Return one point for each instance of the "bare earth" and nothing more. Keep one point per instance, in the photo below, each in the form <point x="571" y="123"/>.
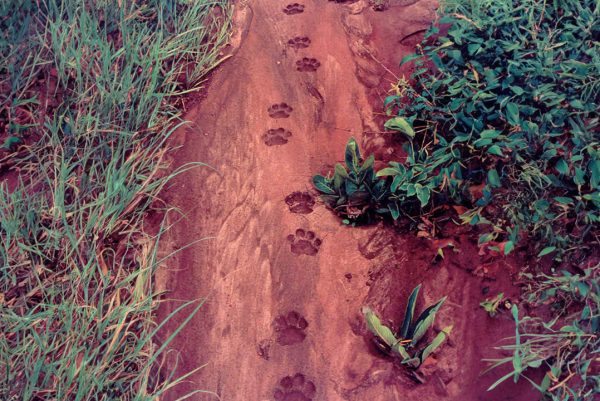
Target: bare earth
<point x="284" y="280"/>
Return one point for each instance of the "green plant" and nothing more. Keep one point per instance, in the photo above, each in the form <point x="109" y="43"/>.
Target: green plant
<point x="507" y="99"/>
<point x="353" y="191"/>
<point x="491" y="305"/>
<point x="405" y="343"/>
<point x="566" y="347"/>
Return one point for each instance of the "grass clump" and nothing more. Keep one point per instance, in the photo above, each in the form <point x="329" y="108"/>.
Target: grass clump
<point x="565" y="347"/>
<point x="90" y="92"/>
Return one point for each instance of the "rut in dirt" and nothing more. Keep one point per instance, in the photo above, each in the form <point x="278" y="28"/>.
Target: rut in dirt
<point x="284" y="280"/>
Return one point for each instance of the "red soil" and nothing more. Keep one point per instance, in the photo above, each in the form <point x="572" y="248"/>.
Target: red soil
<point x="284" y="280"/>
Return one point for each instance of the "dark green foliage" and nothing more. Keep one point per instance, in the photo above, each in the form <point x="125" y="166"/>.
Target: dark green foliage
<point x="506" y="99"/>
<point x="509" y="98"/>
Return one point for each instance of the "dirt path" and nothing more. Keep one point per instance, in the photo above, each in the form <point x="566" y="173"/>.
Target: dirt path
<point x="285" y="281"/>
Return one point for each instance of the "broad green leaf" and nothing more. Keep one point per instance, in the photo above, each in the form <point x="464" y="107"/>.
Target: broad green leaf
<point x="396" y="182"/>
<point x="494" y="178"/>
<point x="401" y="125"/>
<point x="517" y="90"/>
<point x="321" y="184"/>
<point x="368" y="163"/>
<point x="387" y="171"/>
<point x="489" y="134"/>
<point x="425" y="321"/>
<point x="435" y="344"/>
<point x="508" y="247"/>
<point x="564" y="200"/>
<point x="408" y="58"/>
<point x="562" y="167"/>
<point x="410" y="310"/>
<point x="423" y="194"/>
<point x="352" y="155"/>
<point x="340" y="170"/>
<point x="400" y="350"/>
<point x="579" y="178"/>
<point x="394" y="209"/>
<point x="495" y="150"/>
<point x="546" y="251"/>
<point x="512" y="113"/>
<point x="339" y="176"/>
<point x="389" y="100"/>
<point x="378" y="329"/>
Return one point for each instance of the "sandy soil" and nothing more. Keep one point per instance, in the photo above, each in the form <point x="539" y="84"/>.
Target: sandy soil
<point x="284" y="280"/>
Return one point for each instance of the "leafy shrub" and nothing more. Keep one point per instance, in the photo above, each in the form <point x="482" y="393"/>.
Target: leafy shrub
<point x="508" y="98"/>
<point x="404" y="344"/>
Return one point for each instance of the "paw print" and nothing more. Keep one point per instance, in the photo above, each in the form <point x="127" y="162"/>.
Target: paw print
<point x="277" y="136"/>
<point x="300" y="202"/>
<point x="294" y="8"/>
<point x="290" y="328"/>
<point x="295" y="388"/>
<point x="307" y="64"/>
<point x="279" y="110"/>
<point x="299" y="42"/>
<point x="304" y="243"/>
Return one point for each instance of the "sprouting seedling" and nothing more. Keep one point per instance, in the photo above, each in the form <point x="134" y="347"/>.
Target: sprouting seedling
<point x="405" y="343"/>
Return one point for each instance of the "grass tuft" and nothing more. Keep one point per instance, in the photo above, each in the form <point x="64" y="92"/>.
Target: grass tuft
<point x="89" y="94"/>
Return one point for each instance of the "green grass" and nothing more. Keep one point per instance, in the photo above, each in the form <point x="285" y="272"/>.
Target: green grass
<point x="89" y="96"/>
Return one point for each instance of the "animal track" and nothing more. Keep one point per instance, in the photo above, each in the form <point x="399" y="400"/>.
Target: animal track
<point x="304" y="242"/>
<point x="290" y="328"/>
<point x="277" y="136"/>
<point x="294" y="8"/>
<point x="299" y="42"/>
<point x="280" y="110"/>
<point x="300" y="202"/>
<point x="306" y="64"/>
<point x="295" y="388"/>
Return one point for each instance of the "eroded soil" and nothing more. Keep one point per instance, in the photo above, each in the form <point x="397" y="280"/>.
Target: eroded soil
<point x="284" y="280"/>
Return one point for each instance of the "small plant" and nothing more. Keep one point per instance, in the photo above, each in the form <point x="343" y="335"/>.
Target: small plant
<point x="405" y="343"/>
<point x="491" y="305"/>
<point x="353" y="191"/>
<point x="566" y="347"/>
